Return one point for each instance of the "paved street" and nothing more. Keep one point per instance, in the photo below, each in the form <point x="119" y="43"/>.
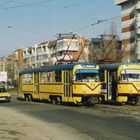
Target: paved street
<point x="33" y="120"/>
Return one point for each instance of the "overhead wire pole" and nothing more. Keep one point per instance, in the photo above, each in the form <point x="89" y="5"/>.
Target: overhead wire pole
<point x="108" y="48"/>
<point x="96" y="23"/>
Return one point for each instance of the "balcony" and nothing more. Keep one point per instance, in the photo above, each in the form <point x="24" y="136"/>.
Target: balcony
<point x="138" y="17"/>
<point x="138" y="5"/>
<point x="43" y="60"/>
<point x="67" y="44"/>
<point x="65" y="58"/>
<point x="138" y="50"/>
<point x="138" y="30"/>
<point x="138" y="43"/>
<point x="119" y="2"/>
<point x="69" y="48"/>
<point x="138" y="24"/>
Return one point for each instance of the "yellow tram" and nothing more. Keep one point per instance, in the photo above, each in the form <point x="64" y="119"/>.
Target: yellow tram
<point x="121" y="82"/>
<point x="73" y="82"/>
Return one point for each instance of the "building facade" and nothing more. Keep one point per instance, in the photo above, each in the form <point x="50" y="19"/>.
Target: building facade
<point x="12" y="64"/>
<point x="130" y="19"/>
<point x="72" y="48"/>
<point x="66" y="48"/>
<point x="30" y="56"/>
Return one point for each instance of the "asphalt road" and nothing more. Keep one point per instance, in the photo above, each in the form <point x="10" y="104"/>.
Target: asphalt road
<point x="102" y="122"/>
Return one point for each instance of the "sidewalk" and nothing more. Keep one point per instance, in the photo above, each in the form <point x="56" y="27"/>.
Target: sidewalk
<point x="17" y="126"/>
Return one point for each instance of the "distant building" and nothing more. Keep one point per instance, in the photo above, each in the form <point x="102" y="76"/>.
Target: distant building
<point x="43" y="54"/>
<point x="66" y="48"/>
<point x="130" y="18"/>
<point x="30" y="57"/>
<point x="12" y="64"/>
<point x="71" y="48"/>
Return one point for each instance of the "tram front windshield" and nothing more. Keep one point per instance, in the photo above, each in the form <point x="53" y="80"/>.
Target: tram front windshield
<point x="130" y="77"/>
<point x="86" y="76"/>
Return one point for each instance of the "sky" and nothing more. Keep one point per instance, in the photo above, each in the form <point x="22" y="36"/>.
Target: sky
<point x="24" y="23"/>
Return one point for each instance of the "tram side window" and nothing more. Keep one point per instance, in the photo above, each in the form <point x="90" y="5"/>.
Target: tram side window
<point x="27" y="78"/>
<point x="51" y="76"/>
<point x="58" y="75"/>
<point x="43" y="77"/>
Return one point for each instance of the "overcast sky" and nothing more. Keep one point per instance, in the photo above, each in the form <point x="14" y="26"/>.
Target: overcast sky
<point x="24" y="23"/>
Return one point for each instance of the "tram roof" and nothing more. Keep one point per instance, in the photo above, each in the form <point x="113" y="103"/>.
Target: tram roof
<point x="68" y="66"/>
<point x="112" y="67"/>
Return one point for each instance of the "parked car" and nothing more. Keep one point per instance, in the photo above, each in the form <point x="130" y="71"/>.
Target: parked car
<point x="4" y="95"/>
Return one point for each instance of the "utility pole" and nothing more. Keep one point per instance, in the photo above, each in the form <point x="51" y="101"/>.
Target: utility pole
<point x="109" y="48"/>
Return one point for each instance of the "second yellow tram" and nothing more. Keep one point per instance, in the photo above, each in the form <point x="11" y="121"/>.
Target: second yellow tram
<point x="121" y="82"/>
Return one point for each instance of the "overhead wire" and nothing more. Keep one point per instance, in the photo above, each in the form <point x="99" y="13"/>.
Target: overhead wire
<point x="45" y="1"/>
<point x="91" y="13"/>
<point x="6" y="3"/>
<point x="79" y="4"/>
<point x="96" y="23"/>
<point x="27" y="4"/>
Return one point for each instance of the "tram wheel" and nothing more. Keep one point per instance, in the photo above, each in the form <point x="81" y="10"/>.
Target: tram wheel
<point x="134" y="100"/>
<point x="28" y="98"/>
<point x="54" y="100"/>
<point x="59" y="100"/>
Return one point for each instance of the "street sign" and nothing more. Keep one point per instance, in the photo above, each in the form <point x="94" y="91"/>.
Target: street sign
<point x="3" y="76"/>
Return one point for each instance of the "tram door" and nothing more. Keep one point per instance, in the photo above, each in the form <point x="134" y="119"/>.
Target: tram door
<point x="108" y="85"/>
<point x="67" y="85"/>
<point x="36" y="85"/>
<point x="112" y="85"/>
<point x="20" y="83"/>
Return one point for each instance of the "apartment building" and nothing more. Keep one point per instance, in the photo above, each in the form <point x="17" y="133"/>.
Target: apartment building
<point x="12" y="64"/>
<point x="66" y="48"/>
<point x="71" y="48"/>
<point x="30" y="57"/>
<point x="130" y="20"/>
<point x="43" y="54"/>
